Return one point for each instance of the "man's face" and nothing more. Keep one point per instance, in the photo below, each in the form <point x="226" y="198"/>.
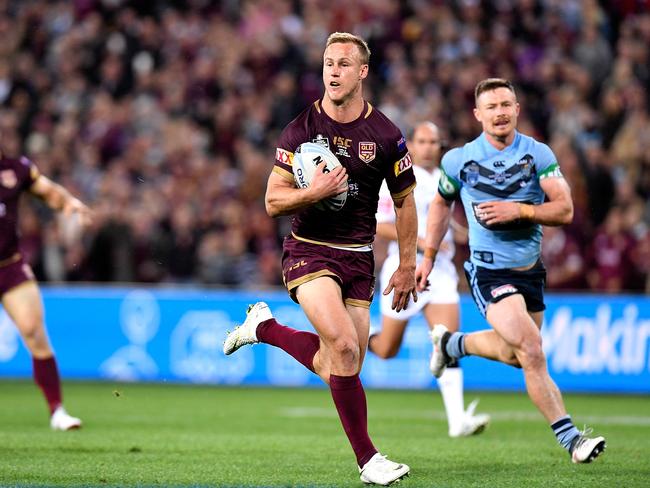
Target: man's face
<point x="425" y="146"/>
<point x="497" y="111"/>
<point x="342" y="71"/>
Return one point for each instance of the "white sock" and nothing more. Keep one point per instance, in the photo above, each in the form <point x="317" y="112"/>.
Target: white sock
<point x="451" y="387"/>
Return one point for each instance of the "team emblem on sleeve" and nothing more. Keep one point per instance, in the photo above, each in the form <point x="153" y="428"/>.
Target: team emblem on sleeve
<point x="8" y="178"/>
<point x="367" y="151"/>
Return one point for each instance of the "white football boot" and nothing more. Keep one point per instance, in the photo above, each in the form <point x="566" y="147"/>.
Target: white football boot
<point x="586" y="449"/>
<point x="438" y="362"/>
<point x="61" y="420"/>
<point x="382" y="471"/>
<point x="473" y="423"/>
<point x="246" y="333"/>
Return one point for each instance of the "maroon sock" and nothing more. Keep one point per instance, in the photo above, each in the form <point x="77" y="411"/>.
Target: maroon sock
<point x="46" y="376"/>
<point x="298" y="343"/>
<point x="350" y="400"/>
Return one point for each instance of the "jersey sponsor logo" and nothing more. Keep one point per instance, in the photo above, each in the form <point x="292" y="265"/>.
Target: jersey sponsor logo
<point x="367" y="151"/>
<point x="342" y="144"/>
<point x="8" y="178"/>
<point x="297" y="265"/>
<point x="403" y="164"/>
<point x="485" y="256"/>
<point x="502" y="290"/>
<point x="499" y="164"/>
<point x="283" y="156"/>
<point x="322" y="140"/>
<point x="552" y="171"/>
<point x="446" y="186"/>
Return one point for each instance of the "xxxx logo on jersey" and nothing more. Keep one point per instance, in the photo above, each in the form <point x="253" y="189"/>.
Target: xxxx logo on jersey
<point x="403" y="164"/>
<point x="283" y="156"/>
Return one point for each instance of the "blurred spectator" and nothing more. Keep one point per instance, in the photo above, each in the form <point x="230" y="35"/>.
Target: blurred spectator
<point x="165" y="114"/>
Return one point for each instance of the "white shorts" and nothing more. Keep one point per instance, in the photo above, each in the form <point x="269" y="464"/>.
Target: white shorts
<point x="443" y="289"/>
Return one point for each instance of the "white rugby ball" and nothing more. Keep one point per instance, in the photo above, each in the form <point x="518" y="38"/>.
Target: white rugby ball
<point x="305" y="159"/>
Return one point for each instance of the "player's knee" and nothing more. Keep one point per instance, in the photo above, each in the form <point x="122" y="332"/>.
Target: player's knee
<point x="32" y="331"/>
<point x="508" y="356"/>
<point x="384" y="350"/>
<point x="532" y="354"/>
<point x="345" y="349"/>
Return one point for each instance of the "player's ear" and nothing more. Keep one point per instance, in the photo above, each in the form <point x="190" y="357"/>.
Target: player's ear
<point x="363" y="72"/>
<point x="477" y="114"/>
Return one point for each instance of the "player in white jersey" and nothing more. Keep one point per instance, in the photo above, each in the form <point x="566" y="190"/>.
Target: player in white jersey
<point x="510" y="185"/>
<point x="440" y="301"/>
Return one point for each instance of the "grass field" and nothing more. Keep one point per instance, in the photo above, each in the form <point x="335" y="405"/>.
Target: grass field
<point x="174" y="435"/>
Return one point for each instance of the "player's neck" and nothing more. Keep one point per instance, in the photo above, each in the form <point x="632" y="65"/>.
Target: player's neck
<point x="426" y="166"/>
<point x="500" y="143"/>
<point x="348" y="111"/>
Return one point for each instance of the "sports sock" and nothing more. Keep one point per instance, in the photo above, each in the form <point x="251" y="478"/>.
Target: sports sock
<point x="350" y="401"/>
<point x="565" y="431"/>
<point x="300" y="344"/>
<point x="455" y="345"/>
<point x="46" y="376"/>
<point x="451" y="388"/>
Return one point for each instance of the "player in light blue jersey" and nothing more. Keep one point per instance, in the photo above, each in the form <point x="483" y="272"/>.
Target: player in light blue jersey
<point x="510" y="185"/>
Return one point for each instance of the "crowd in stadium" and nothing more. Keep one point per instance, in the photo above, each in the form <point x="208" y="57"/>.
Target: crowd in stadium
<point x="163" y="116"/>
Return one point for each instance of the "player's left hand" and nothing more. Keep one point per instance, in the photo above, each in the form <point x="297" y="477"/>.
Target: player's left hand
<point x="403" y="282"/>
<point x="497" y="212"/>
<point x="75" y="207"/>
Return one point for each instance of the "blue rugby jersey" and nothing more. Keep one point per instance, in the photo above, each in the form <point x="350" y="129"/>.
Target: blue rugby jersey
<point x="482" y="173"/>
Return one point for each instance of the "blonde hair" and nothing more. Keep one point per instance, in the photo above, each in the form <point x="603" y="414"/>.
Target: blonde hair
<point x="346" y="37"/>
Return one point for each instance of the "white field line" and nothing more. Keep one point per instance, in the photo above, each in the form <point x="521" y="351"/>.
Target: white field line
<point x="511" y="415"/>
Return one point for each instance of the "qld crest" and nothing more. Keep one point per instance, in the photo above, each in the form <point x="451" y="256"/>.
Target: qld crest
<point x="367" y="151"/>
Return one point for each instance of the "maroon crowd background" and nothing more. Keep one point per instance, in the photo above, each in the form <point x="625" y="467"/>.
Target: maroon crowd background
<point x="163" y="117"/>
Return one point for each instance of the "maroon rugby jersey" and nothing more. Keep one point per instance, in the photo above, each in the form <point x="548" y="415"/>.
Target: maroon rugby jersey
<point x="371" y="148"/>
<point x="16" y="175"/>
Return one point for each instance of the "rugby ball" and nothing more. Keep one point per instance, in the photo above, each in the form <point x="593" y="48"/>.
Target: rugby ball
<point x="305" y="159"/>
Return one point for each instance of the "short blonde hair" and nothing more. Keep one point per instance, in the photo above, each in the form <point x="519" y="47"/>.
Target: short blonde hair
<point x="346" y="37"/>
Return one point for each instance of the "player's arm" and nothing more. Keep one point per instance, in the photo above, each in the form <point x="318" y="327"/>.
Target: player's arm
<point x="406" y="230"/>
<point x="58" y="198"/>
<point x="557" y="210"/>
<point x="437" y="224"/>
<point x="388" y="231"/>
<point x="283" y="198"/>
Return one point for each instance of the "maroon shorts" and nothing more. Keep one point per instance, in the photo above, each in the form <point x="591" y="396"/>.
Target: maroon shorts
<point x="352" y="270"/>
<point x="13" y="274"/>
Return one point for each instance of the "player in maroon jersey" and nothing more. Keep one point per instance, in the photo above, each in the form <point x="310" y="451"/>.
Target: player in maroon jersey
<point x="328" y="264"/>
<point x="19" y="292"/>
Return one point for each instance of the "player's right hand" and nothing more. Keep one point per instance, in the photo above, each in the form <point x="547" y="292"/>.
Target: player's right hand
<point x="73" y="207"/>
<point x="422" y="273"/>
<point x="327" y="184"/>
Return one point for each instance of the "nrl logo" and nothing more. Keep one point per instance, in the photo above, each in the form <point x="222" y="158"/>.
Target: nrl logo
<point x="8" y="178"/>
<point x="367" y="151"/>
<point x="322" y="140"/>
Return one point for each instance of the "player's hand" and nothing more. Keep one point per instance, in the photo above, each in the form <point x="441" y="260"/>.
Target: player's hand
<point x="403" y="282"/>
<point x="497" y="212"/>
<point x="327" y="184"/>
<point x="422" y="273"/>
<point x="74" y="207"/>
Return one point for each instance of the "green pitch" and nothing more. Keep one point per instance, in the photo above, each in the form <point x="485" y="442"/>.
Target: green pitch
<point x="174" y="435"/>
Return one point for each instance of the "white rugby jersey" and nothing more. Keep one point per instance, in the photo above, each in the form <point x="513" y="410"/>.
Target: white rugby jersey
<point x="426" y="189"/>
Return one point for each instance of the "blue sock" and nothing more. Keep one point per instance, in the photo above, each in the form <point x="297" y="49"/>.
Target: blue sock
<point x="455" y="346"/>
<point x="565" y="431"/>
